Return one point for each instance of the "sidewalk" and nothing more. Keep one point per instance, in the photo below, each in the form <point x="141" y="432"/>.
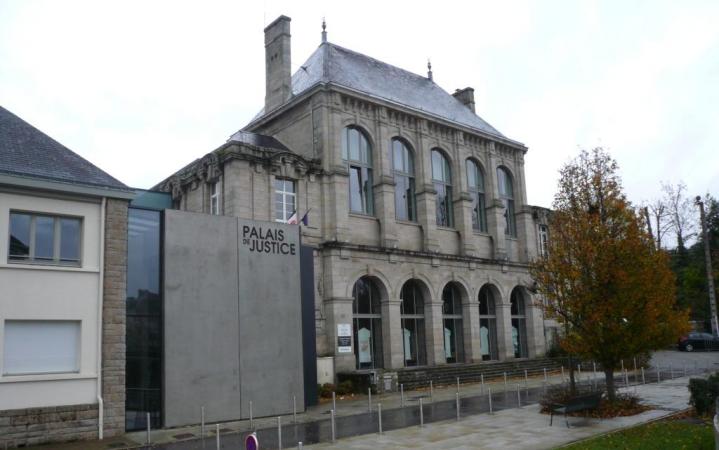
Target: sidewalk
<point x="521" y="428"/>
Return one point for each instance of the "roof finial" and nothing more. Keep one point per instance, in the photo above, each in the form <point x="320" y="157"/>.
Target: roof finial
<point x="429" y="69"/>
<point x="324" y="30"/>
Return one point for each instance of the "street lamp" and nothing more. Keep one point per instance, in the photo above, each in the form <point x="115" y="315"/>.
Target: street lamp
<point x="710" y="277"/>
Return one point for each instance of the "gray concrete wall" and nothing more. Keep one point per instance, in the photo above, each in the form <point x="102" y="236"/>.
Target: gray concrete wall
<point x="232" y="318"/>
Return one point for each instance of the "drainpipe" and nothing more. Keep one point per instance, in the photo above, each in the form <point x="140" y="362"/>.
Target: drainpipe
<point x="100" y="293"/>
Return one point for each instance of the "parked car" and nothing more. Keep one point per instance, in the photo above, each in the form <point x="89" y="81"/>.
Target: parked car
<point x="698" y="341"/>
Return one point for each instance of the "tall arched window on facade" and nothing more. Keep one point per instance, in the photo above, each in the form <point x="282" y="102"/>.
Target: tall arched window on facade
<point x="412" y="319"/>
<point x="442" y="180"/>
<point x="367" y="321"/>
<point x="506" y="194"/>
<point x="475" y="182"/>
<point x="452" y="320"/>
<point x="403" y="171"/>
<point x="357" y="153"/>
<point x="519" y="323"/>
<point x="487" y="324"/>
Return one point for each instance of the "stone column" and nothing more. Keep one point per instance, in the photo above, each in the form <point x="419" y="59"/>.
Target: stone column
<point x="536" y="345"/>
<point x="434" y="326"/>
<point x="470" y="329"/>
<point x="505" y="347"/>
<point x="427" y="217"/>
<point x="463" y="222"/>
<point x="339" y="311"/>
<point x="392" y="345"/>
<point x="113" y="317"/>
<point x="526" y="234"/>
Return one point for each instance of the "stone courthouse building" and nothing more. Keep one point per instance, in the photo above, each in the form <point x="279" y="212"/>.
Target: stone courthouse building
<point x="415" y="206"/>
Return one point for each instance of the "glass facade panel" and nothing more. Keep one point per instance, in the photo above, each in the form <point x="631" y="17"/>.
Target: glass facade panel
<point x="487" y="325"/>
<point x="144" y="319"/>
<point x="412" y="322"/>
<point x="506" y="193"/>
<point x="519" y="324"/>
<point x="441" y="178"/>
<point x="452" y="319"/>
<point x="367" y="321"/>
<point x="403" y="168"/>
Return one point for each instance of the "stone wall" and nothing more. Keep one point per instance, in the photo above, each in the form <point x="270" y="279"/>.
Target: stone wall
<point x="113" y="317"/>
<point x="33" y="426"/>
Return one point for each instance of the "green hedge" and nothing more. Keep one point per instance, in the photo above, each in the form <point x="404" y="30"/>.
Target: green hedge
<point x="704" y="394"/>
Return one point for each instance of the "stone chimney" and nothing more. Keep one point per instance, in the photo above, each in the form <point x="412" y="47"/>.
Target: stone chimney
<point x="466" y="96"/>
<point x="278" y="83"/>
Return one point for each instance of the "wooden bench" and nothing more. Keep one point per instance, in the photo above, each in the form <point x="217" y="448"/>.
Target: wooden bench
<point x="579" y="403"/>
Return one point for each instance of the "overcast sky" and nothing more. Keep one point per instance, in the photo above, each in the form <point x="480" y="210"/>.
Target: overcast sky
<point x="141" y="88"/>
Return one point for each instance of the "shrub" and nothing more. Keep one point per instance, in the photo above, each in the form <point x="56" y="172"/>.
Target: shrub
<point x="326" y="390"/>
<point x="704" y="394"/>
<point x="345" y="388"/>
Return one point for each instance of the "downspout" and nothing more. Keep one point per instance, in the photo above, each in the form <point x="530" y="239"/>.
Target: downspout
<point x="100" y="293"/>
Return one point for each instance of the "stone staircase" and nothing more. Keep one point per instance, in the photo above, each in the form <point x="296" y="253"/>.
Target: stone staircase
<point x="413" y="378"/>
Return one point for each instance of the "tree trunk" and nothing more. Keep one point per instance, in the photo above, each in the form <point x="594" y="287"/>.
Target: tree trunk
<point x="609" y="377"/>
<point x="572" y="381"/>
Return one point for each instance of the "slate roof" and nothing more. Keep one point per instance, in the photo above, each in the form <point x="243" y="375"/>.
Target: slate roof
<point x="259" y="140"/>
<point x="331" y="63"/>
<point x="28" y="152"/>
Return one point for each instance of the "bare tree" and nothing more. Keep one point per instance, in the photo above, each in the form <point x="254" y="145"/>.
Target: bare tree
<point x="680" y="213"/>
<point x="657" y="212"/>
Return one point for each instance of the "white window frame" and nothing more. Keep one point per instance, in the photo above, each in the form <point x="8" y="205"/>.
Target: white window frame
<point x="286" y="195"/>
<point x="215" y="189"/>
<point x="57" y="240"/>
<point x="543" y="239"/>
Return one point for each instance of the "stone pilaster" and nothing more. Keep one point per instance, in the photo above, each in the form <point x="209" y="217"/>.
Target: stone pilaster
<point x="435" y="333"/>
<point x="392" y="345"/>
<point x="385" y="212"/>
<point x="427" y="217"/>
<point x="339" y="311"/>
<point x="505" y="347"/>
<point x="526" y="234"/>
<point x="463" y="223"/>
<point x="113" y="317"/>
<point x="470" y="326"/>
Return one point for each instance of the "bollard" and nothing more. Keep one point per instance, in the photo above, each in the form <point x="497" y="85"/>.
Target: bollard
<point x="519" y="397"/>
<point x="379" y="416"/>
<point x="659" y="375"/>
<point x="299" y="445"/>
<point x="294" y="408"/>
<point x="148" y="428"/>
<point x="431" y="392"/>
<point x="401" y="395"/>
<point x="489" y="397"/>
<point x="481" y="389"/>
<point x="252" y="420"/>
<point x="505" y="381"/>
<point x="457" y="405"/>
<point x="562" y="374"/>
<point x="526" y="379"/>
<point x="644" y="381"/>
<point x="369" y="399"/>
<point x="217" y="435"/>
<point x="545" y="374"/>
<point x="334" y="404"/>
<point x="622" y="361"/>
<point x="279" y="432"/>
<point x="332" y="423"/>
<point x="594" y="369"/>
<point x="421" y="413"/>
<point x="458" y="385"/>
<point x="202" y="422"/>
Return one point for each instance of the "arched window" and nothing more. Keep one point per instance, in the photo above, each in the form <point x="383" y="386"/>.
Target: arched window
<point x="442" y="180"/>
<point x="412" y="319"/>
<point x="403" y="171"/>
<point x="357" y="153"/>
<point x="475" y="182"/>
<point x="367" y="321"/>
<point x="452" y="319"/>
<point x="506" y="194"/>
<point x="487" y="324"/>
<point x="519" y="323"/>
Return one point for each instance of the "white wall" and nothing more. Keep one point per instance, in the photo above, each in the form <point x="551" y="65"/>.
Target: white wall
<point x="39" y="292"/>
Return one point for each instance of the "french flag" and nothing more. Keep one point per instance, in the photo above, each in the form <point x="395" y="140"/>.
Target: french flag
<point x="293" y="218"/>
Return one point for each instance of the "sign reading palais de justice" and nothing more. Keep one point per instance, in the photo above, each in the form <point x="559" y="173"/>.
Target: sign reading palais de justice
<point x="267" y="240"/>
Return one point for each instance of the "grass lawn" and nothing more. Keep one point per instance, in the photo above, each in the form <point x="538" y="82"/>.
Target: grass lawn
<point x="664" y="435"/>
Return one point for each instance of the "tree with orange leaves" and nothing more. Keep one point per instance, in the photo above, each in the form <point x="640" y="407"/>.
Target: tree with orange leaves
<point x="602" y="276"/>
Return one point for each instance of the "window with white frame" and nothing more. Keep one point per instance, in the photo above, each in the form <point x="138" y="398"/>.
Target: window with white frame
<point x="285" y="199"/>
<point x="41" y="346"/>
<point x="215" y="198"/>
<point x="357" y="154"/>
<point x="543" y="237"/>
<point x="44" y="239"/>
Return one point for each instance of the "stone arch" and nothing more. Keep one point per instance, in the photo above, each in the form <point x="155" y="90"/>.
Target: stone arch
<point x="428" y="287"/>
<point x="383" y="283"/>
